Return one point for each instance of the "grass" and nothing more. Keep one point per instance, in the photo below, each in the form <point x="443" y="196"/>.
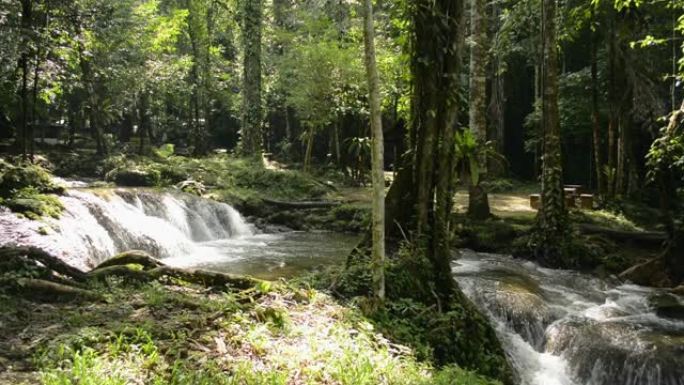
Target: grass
<point x="181" y="334"/>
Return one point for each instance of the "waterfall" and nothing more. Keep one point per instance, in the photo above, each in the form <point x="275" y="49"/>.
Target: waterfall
<point x="566" y="328"/>
<point x="97" y="224"/>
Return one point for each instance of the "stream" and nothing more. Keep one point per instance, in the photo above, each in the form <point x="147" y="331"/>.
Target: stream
<point x="557" y="327"/>
<point x="566" y="328"/>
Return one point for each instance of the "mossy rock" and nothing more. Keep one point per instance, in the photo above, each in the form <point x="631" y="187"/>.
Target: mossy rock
<point x="667" y="305"/>
<point x="14" y="178"/>
<point x="36" y="206"/>
<point x="136" y="177"/>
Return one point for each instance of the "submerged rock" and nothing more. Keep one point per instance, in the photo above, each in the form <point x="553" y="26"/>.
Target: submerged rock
<point x="608" y="353"/>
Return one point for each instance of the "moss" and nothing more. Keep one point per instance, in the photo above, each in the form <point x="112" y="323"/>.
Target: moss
<point x="170" y="335"/>
<point x="34" y="205"/>
<point x="15" y="178"/>
<point x="492" y="235"/>
<point x="446" y="333"/>
<point x="135" y="177"/>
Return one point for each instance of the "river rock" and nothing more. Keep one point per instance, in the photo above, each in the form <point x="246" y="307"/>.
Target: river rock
<point x="667" y="306"/>
<point x="649" y="273"/>
<point x="135" y="177"/>
<point x="609" y="353"/>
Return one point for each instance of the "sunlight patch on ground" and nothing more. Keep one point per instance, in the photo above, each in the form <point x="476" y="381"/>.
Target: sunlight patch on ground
<point x="501" y="204"/>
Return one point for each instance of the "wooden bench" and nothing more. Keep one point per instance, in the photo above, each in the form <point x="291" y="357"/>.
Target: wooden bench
<point x="535" y="201"/>
<point x="587" y="201"/>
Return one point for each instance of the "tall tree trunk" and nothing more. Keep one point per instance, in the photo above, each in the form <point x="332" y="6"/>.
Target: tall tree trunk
<point x="551" y="218"/>
<point x="144" y="119"/>
<point x="377" y="173"/>
<point x="26" y="25"/>
<point x="252" y="140"/>
<point x="613" y="114"/>
<point x="478" y="202"/>
<point x="198" y="29"/>
<point x="595" y="117"/>
<point x="498" y="97"/>
<point x="420" y="199"/>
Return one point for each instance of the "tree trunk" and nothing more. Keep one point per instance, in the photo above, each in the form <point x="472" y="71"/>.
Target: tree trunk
<point x="199" y="40"/>
<point x="144" y="119"/>
<point x="595" y="118"/>
<point x="378" y="175"/>
<point x="551" y="218"/>
<point x="309" y="149"/>
<point x="251" y="115"/>
<point x="613" y="111"/>
<point x="26" y="24"/>
<point x="477" y="195"/>
<point x="420" y="199"/>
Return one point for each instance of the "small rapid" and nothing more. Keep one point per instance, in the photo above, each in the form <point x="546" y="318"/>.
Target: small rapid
<point x="181" y="229"/>
<point x="97" y="224"/>
<point x="565" y="328"/>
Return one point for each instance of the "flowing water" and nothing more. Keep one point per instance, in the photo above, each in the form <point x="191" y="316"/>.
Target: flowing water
<point x="565" y="328"/>
<point x="558" y="327"/>
<point x="181" y="229"/>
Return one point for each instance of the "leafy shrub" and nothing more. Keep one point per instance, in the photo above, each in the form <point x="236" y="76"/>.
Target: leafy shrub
<point x="14" y="178"/>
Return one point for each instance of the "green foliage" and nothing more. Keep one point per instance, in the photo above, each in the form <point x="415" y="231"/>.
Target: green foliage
<point x="173" y="335"/>
<point x="448" y="333"/>
<point x="166" y="150"/>
<point x="34" y="205"/>
<point x="14" y="178"/>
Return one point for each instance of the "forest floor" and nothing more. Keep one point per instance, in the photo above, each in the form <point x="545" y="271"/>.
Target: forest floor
<point x="178" y="334"/>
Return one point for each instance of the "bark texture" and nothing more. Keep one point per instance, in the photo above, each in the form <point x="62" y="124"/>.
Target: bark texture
<point x="478" y="206"/>
<point x="551" y="218"/>
<point x="419" y="202"/>
<point x="377" y="158"/>
<point x="251" y="132"/>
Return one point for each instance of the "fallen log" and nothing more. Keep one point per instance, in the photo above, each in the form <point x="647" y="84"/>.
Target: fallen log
<point x="48" y="260"/>
<point x="303" y="204"/>
<point x="645" y="237"/>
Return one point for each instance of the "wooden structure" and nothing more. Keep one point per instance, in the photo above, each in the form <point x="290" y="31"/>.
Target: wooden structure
<point x="573" y="195"/>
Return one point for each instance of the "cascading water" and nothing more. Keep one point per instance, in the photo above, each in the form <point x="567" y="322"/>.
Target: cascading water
<point x="98" y="224"/>
<point x="182" y="229"/>
<point x="565" y="328"/>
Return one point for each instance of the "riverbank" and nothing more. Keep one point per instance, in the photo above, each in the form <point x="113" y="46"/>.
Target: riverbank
<point x="174" y="332"/>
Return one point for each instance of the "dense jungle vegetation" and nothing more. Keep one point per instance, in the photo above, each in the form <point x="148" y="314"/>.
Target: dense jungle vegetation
<point x="549" y="130"/>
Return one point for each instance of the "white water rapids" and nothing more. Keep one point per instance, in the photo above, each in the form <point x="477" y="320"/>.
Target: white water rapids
<point x="96" y="225"/>
<point x="558" y="327"/>
<point x="181" y="229"/>
<point x="565" y="328"/>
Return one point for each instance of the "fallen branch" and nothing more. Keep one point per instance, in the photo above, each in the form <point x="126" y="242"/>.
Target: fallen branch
<point x="303" y="205"/>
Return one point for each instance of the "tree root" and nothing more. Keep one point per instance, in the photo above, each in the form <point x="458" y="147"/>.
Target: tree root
<point x="47" y="291"/>
<point x="135" y="257"/>
<point x="64" y="283"/>
<point x="49" y="261"/>
<point x="205" y="278"/>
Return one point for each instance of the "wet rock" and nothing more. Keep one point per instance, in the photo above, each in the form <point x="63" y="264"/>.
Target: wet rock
<point x="679" y="290"/>
<point x="617" y="353"/>
<point x="649" y="273"/>
<point x="135" y="177"/>
<point x="15" y="178"/>
<point x="667" y="306"/>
